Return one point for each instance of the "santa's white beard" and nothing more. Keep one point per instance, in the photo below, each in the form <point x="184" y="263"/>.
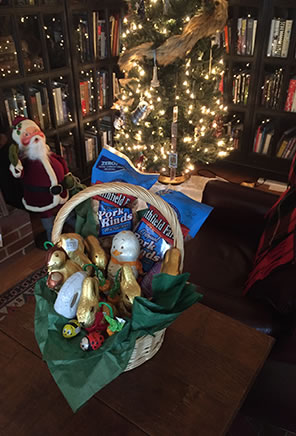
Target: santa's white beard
<point x="37" y="149"/>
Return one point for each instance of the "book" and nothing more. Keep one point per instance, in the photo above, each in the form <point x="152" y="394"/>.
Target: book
<point x="250" y="24"/>
<point x="286" y="38"/>
<point x="269" y="48"/>
<point x="290" y="94"/>
<point x="286" y="136"/>
<point x="254" y="36"/>
<point x="276" y="33"/>
<point x="58" y="103"/>
<point x="267" y="143"/>
<point x="279" y="42"/>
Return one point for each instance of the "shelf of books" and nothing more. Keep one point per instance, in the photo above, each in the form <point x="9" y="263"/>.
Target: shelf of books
<point x="260" y="43"/>
<point x="58" y="66"/>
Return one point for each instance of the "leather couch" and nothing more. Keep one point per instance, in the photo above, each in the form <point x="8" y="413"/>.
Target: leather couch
<point x="219" y="260"/>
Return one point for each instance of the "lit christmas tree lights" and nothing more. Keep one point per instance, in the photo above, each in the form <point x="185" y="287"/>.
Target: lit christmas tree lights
<point x="171" y="107"/>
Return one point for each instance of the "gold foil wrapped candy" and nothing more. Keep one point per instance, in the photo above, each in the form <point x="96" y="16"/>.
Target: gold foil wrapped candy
<point x="73" y="244"/>
<point x="89" y="302"/>
<point x="171" y="262"/>
<point x="95" y="252"/>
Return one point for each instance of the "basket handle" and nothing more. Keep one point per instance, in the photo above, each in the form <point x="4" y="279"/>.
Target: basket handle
<point x="122" y="188"/>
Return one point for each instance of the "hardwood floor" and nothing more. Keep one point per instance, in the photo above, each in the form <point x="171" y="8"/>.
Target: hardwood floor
<point x="13" y="271"/>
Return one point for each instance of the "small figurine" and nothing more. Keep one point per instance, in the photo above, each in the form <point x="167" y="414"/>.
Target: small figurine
<point x="71" y="329"/>
<point x="57" y="261"/>
<point x="96" y="253"/>
<point x="88" y="303"/>
<point x="68" y="297"/>
<point x="125" y="250"/>
<point x="92" y="341"/>
<point x="45" y="175"/>
<point x="73" y="245"/>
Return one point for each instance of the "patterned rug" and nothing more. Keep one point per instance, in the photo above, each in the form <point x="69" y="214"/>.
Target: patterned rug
<point x="18" y="295"/>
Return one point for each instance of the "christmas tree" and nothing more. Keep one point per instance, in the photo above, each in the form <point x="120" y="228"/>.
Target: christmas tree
<point x="170" y="102"/>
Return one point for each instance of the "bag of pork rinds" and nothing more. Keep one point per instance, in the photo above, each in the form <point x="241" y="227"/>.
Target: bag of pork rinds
<point x="116" y="212"/>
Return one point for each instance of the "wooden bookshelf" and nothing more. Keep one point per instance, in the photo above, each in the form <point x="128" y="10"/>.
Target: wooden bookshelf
<point x="51" y="72"/>
<point x="269" y="66"/>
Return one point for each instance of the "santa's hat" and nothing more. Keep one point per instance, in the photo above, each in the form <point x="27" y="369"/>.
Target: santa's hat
<point x="19" y="125"/>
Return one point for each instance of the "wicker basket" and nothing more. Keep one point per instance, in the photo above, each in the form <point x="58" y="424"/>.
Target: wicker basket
<point x="146" y="346"/>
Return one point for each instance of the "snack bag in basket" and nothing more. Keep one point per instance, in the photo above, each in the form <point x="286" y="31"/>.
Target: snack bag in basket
<point x="114" y="212"/>
<point x="154" y="232"/>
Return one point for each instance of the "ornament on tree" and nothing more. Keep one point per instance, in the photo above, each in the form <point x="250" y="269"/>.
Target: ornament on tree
<point x="219" y="127"/>
<point x="141" y="112"/>
<point x="173" y="157"/>
<point x="119" y="120"/>
<point x="154" y="82"/>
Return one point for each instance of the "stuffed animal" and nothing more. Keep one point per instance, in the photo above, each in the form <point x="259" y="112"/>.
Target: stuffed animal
<point x="125" y="250"/>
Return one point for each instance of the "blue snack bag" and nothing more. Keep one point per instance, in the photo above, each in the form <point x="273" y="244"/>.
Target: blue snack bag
<point x="154" y="232"/>
<point x="114" y="211"/>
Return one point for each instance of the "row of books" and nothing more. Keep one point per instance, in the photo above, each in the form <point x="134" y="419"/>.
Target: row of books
<point x="100" y="36"/>
<point x="87" y="99"/>
<point x="60" y="94"/>
<point x="91" y="146"/>
<point x="246" y="36"/>
<point x="82" y="40"/>
<point x="263" y="138"/>
<point x="290" y="105"/>
<point x="271" y="89"/>
<point x="287" y="144"/>
<point x="16" y="105"/>
<point x="94" y="141"/>
<point x="279" y="37"/>
<point x="240" y="87"/>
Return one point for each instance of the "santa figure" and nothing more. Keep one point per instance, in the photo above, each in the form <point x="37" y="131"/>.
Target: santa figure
<point x="42" y="171"/>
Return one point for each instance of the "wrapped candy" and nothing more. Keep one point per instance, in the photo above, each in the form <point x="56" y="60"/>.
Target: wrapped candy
<point x="88" y="303"/>
<point x="68" y="297"/>
<point x="129" y="286"/>
<point x="96" y="253"/>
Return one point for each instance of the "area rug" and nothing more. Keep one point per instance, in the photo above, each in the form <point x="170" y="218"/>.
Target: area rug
<point x="19" y="294"/>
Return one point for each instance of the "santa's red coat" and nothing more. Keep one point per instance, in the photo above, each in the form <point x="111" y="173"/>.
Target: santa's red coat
<point x="34" y="174"/>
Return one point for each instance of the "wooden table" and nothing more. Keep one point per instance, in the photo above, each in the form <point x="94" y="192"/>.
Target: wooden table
<point x="194" y="385"/>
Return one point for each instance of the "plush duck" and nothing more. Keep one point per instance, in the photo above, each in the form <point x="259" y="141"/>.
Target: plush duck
<point x="125" y="250"/>
<point x="60" y="267"/>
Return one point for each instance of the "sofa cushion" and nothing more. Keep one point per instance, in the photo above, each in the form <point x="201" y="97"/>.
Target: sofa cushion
<point x="221" y="254"/>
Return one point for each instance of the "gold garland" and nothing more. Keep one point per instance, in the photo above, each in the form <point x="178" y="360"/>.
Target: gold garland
<point x="177" y="46"/>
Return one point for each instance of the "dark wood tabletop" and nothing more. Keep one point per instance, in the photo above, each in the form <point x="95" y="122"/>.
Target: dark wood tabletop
<point x="194" y="385"/>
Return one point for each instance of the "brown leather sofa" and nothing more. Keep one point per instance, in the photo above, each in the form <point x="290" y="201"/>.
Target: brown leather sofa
<point x="219" y="259"/>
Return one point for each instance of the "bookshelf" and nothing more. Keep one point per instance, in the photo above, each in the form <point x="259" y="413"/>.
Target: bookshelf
<point x="58" y="64"/>
<point x="260" y="41"/>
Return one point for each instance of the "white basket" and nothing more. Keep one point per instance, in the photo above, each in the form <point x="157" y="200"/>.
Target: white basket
<point x="146" y="346"/>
